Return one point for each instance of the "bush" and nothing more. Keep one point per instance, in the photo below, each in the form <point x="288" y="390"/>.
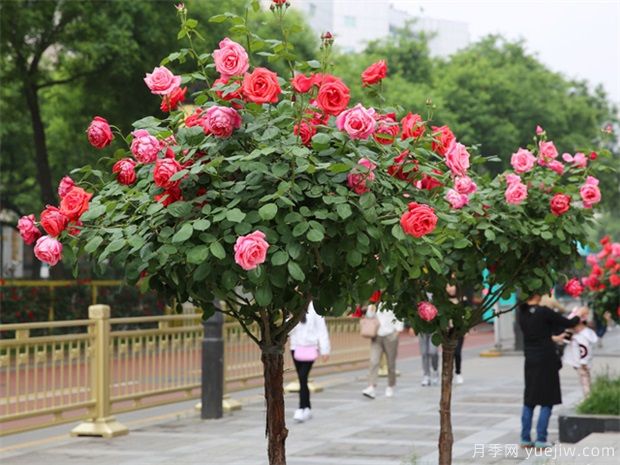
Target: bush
<point x="604" y="398"/>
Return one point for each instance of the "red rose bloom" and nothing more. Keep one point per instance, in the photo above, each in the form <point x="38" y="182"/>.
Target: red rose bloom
<point x="413" y="126"/>
<point x="429" y="182"/>
<point x="419" y="220"/>
<point x="165" y="168"/>
<point x="442" y="139"/>
<point x="99" y="133"/>
<point x="387" y="129"/>
<point x="305" y="131"/>
<point x="234" y="95"/>
<point x="375" y="73"/>
<point x="397" y="169"/>
<point x="74" y="203"/>
<point x="302" y="84"/>
<point x="560" y="204"/>
<point x="169" y="196"/>
<point x="195" y="119"/>
<point x="171" y="101"/>
<point x="261" y="86"/>
<point x="573" y="287"/>
<point x="53" y="221"/>
<point x="333" y="96"/>
<point x="614" y="280"/>
<point x="375" y="297"/>
<point x="125" y="171"/>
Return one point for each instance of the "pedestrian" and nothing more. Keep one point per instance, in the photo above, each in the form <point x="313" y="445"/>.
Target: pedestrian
<point x="542" y="364"/>
<point x="309" y="338"/>
<point x="458" y="351"/>
<point x="430" y="358"/>
<point x="386" y="341"/>
<point x="578" y="352"/>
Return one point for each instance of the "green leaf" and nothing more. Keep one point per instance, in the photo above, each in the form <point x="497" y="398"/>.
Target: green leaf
<point x="198" y="254"/>
<point x="461" y="243"/>
<point x="489" y="234"/>
<point x="92" y="244"/>
<point x="263" y="294"/>
<point x="180" y="209"/>
<point x="268" y="211"/>
<point x="295" y="271"/>
<point x="546" y="235"/>
<point x="116" y="245"/>
<point x="183" y="234"/>
<point x="315" y="235"/>
<point x="235" y="215"/>
<point x="300" y="228"/>
<point x="201" y="225"/>
<point x="217" y="250"/>
<point x="354" y="258"/>
<point x="93" y="212"/>
<point x="344" y="210"/>
<point x="279" y="258"/>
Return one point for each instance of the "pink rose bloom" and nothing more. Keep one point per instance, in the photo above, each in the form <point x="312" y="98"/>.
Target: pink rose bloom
<point x="522" y="161"/>
<point x="48" y="250"/>
<point x="457" y="159"/>
<point x="251" y="250"/>
<point x="512" y="178"/>
<point x="231" y="59"/>
<point x="358" y="122"/>
<point x="590" y="192"/>
<point x="580" y="160"/>
<point x="464" y="185"/>
<point x="456" y="200"/>
<point x="615" y="249"/>
<point x="547" y="152"/>
<point x="28" y="229"/>
<point x="161" y="81"/>
<point x="516" y="193"/>
<point x="427" y="311"/>
<point x="99" y="133"/>
<point x="144" y="146"/>
<point x="356" y="180"/>
<point x="65" y="186"/>
<point x="165" y="168"/>
<point x="125" y="171"/>
<point x="573" y="287"/>
<point x="592" y="260"/>
<point x="221" y="121"/>
<point x="556" y="166"/>
<point x="539" y="130"/>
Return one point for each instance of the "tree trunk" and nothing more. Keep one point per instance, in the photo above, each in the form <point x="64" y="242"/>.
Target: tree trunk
<point x="446" y="439"/>
<point x="44" y="175"/>
<point x="276" y="432"/>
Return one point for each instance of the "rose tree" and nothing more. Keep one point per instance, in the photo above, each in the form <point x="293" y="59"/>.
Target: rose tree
<point x="523" y="227"/>
<point x="267" y="193"/>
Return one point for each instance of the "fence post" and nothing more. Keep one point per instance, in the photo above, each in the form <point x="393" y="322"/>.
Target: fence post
<point x="212" y="394"/>
<point x="103" y="424"/>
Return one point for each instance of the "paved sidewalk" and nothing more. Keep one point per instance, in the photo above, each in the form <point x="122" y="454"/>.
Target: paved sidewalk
<point x="347" y="428"/>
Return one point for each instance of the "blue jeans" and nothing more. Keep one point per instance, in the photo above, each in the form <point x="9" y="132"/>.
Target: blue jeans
<point x="541" y="428"/>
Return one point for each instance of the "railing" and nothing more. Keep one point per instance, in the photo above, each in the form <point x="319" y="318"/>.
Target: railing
<point x="102" y="368"/>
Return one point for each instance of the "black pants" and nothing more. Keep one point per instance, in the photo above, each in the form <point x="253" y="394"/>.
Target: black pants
<point x="457" y="355"/>
<point x="303" y="371"/>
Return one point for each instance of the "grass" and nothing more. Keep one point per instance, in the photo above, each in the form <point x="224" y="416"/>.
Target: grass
<point x="604" y="399"/>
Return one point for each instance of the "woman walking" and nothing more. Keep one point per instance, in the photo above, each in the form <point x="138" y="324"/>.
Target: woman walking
<point x="386" y="341"/>
<point x="308" y="339"/>
<point x="542" y="379"/>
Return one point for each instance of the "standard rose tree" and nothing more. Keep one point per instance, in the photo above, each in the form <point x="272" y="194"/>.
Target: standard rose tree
<point x="266" y="193"/>
<point x="523" y="227"/>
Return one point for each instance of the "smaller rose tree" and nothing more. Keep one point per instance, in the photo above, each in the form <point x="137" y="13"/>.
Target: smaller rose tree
<point x="601" y="288"/>
<point x="267" y="193"/>
<point x="522" y="226"/>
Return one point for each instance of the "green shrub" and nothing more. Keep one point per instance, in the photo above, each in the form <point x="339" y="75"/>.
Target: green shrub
<point x="604" y="399"/>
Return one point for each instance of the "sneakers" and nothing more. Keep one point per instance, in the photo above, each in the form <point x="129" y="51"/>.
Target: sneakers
<point x="435" y="378"/>
<point x="299" y="415"/>
<point x="527" y="444"/>
<point x="458" y="379"/>
<point x="369" y="392"/>
<point x="389" y="391"/>
<point x="426" y="381"/>
<point x="307" y="414"/>
<point x="543" y="445"/>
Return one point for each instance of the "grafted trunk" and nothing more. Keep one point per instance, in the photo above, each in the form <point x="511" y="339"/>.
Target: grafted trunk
<point x="276" y="432"/>
<point x="446" y="439"/>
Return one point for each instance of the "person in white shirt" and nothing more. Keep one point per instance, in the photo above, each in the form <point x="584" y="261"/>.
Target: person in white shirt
<point x="386" y="342"/>
<point x="578" y="353"/>
<point x="307" y="340"/>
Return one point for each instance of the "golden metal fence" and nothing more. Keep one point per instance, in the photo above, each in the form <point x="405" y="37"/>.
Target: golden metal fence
<point x="58" y="372"/>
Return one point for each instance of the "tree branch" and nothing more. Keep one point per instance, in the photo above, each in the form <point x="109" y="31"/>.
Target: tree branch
<point x="65" y="81"/>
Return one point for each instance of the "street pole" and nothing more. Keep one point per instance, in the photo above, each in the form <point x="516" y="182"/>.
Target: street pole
<point x="212" y="368"/>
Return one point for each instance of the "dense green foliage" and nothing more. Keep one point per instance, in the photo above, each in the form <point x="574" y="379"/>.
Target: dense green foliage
<point x="604" y="399"/>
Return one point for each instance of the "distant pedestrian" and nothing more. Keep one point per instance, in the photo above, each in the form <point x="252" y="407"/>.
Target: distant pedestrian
<point x="309" y="339"/>
<point x="386" y="341"/>
<point x="429" y="353"/>
<point x="578" y="352"/>
<point x="542" y="379"/>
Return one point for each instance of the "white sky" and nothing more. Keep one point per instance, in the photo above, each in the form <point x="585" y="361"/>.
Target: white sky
<point x="579" y="38"/>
